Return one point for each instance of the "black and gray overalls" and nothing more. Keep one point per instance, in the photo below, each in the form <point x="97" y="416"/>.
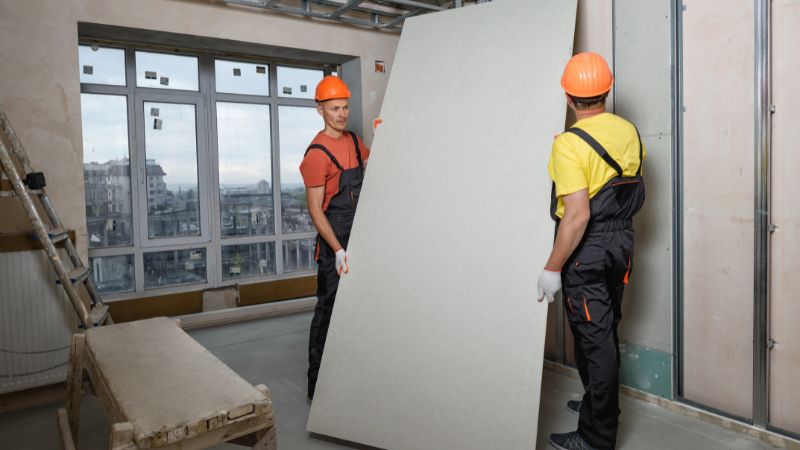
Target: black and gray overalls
<point x="593" y="279"/>
<point x="340" y="213"/>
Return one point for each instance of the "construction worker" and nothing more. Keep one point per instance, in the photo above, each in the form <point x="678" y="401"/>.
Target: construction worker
<point x="332" y="169"/>
<point x="596" y="169"/>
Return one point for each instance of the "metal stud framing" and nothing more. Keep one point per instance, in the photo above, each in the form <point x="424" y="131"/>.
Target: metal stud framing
<point x="762" y="229"/>
<point x="378" y="14"/>
<point x="762" y="213"/>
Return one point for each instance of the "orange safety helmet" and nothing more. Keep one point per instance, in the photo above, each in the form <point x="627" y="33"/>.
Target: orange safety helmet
<point x="331" y="87"/>
<point x="587" y="75"/>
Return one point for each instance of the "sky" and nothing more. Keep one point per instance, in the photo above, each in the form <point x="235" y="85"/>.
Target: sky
<point x="243" y="129"/>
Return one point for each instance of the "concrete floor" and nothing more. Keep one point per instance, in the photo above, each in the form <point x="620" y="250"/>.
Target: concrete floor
<point x="273" y="351"/>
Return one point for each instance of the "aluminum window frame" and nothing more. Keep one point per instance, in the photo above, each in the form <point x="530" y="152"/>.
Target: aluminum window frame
<point x="205" y="101"/>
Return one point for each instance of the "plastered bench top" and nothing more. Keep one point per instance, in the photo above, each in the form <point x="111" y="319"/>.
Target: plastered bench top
<point x="168" y="385"/>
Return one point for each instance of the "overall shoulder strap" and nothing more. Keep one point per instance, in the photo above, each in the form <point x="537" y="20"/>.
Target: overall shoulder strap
<point x="358" y="149"/>
<point x="639" y="169"/>
<point x="327" y="152"/>
<point x="597" y="148"/>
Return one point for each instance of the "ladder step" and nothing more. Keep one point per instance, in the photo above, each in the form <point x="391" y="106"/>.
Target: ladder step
<point x="58" y="234"/>
<point x="77" y="275"/>
<point x="98" y="314"/>
<point x="12" y="193"/>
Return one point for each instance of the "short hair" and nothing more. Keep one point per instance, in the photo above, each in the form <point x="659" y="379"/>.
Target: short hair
<point x="589" y="102"/>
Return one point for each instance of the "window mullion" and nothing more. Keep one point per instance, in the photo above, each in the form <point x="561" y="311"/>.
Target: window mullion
<point x="276" y="169"/>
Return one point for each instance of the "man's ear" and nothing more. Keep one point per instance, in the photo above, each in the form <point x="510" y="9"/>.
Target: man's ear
<point x="319" y="108"/>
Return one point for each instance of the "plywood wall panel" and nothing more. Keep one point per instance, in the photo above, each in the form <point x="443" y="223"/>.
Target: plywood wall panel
<point x="718" y="152"/>
<point x="784" y="397"/>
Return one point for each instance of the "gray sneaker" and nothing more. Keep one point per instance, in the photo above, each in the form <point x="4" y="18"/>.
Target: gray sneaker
<point x="574" y="406"/>
<point x="569" y="441"/>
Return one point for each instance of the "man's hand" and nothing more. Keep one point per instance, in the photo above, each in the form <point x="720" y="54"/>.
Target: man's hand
<point x="549" y="284"/>
<point x="341" y="261"/>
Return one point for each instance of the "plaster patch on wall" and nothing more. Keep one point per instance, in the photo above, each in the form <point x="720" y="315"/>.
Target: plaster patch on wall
<point x="646" y="369"/>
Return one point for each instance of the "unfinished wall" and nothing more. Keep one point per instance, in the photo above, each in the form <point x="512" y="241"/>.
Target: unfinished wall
<point x="718" y="152"/>
<point x="643" y="62"/>
<point x="40" y="87"/>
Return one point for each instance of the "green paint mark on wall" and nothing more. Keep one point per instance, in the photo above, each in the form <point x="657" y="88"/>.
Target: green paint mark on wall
<point x="646" y="369"/>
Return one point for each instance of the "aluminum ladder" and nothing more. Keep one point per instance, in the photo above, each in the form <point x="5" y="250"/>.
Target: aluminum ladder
<point x="25" y="188"/>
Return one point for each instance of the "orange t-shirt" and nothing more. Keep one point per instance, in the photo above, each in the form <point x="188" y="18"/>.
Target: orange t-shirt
<point x="318" y="169"/>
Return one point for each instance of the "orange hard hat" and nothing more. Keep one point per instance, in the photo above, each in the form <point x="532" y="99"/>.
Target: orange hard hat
<point x="331" y="87"/>
<point x="587" y="75"/>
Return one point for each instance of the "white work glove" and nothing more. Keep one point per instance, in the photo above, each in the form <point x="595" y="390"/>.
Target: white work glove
<point x="549" y="284"/>
<point x="341" y="261"/>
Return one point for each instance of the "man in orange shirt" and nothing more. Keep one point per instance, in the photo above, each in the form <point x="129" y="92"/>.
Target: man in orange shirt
<point x="332" y="169"/>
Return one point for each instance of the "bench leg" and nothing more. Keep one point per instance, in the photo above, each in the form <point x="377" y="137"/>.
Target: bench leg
<point x="74" y="383"/>
<point x="267" y="439"/>
<point x="63" y="429"/>
<point x="122" y="437"/>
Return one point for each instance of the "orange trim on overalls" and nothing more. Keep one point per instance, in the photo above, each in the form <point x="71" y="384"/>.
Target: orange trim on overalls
<point x="586" y="310"/>
<point x="569" y="303"/>
<point x="627" y="272"/>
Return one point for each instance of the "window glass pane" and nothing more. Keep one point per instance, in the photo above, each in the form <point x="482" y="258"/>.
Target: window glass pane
<point x="298" y="83"/>
<point x="113" y="273"/>
<point x="298" y="126"/>
<point x="245" y="169"/>
<point x="248" y="260"/>
<point x="101" y="66"/>
<point x="158" y="70"/>
<point x="172" y="186"/>
<point x="174" y="267"/>
<point x="299" y="255"/>
<point x="241" y="78"/>
<point x="106" y="170"/>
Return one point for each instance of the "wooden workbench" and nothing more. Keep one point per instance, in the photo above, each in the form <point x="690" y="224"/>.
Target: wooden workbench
<point x="161" y="389"/>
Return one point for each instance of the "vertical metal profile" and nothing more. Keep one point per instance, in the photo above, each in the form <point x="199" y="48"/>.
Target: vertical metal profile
<point x="762" y="216"/>
<point x="677" y="198"/>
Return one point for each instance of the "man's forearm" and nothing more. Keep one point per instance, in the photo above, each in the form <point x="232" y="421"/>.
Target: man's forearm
<point x="570" y="233"/>
<point x="324" y="229"/>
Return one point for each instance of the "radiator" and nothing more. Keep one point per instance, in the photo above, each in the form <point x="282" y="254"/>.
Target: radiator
<point x="36" y="322"/>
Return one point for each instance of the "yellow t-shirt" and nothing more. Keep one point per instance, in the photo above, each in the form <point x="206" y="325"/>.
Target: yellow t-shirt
<point x="574" y="165"/>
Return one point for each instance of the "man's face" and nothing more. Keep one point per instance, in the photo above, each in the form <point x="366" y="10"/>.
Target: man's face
<point x="335" y="113"/>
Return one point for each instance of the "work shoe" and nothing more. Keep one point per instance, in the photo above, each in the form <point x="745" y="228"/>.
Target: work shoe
<point x="569" y="441"/>
<point x="574" y="406"/>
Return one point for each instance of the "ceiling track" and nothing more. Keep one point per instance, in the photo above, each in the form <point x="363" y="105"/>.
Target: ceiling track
<point x="386" y="15"/>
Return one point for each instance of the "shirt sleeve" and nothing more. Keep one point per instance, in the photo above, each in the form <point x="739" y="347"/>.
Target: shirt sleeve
<point x="566" y="169"/>
<point x="314" y="168"/>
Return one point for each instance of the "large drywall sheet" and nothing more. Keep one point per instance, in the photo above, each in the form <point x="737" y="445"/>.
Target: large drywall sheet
<point x="437" y="338"/>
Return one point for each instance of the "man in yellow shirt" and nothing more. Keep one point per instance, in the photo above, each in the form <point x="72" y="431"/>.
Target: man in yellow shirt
<point x="597" y="189"/>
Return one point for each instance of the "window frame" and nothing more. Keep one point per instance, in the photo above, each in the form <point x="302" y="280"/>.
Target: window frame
<point x="205" y="99"/>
